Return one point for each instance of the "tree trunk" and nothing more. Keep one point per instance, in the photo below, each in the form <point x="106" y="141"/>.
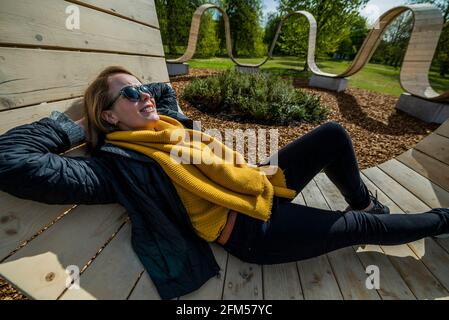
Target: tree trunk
<point x="306" y="67"/>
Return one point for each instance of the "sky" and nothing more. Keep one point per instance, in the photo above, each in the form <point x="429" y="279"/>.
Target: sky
<point x="372" y="10"/>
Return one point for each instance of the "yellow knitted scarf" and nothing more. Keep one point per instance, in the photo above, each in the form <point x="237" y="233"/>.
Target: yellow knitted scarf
<point x="200" y="173"/>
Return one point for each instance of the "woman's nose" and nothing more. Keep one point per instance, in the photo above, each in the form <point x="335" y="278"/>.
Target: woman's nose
<point x="145" y="97"/>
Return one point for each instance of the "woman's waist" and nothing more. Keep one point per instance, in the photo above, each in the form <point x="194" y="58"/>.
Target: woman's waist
<point x="227" y="229"/>
<point x="245" y="219"/>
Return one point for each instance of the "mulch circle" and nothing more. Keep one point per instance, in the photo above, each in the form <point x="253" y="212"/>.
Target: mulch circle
<point x="379" y="132"/>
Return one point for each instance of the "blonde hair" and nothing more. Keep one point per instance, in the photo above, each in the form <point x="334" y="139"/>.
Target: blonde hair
<point x="96" y="100"/>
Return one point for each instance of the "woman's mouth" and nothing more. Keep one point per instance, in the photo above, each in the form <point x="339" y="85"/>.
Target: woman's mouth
<point x="147" y="110"/>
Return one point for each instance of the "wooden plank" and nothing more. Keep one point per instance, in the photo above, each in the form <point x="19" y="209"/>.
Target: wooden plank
<point x="434" y="258"/>
<point x="145" y="289"/>
<point x="113" y="274"/>
<point x="12" y="118"/>
<point x="16" y="223"/>
<point x="428" y="192"/>
<point x="433" y="196"/>
<point x="299" y="199"/>
<point x="412" y="270"/>
<point x="143" y="11"/>
<point x="39" y="268"/>
<point x="24" y="23"/>
<point x="443" y="130"/>
<point x="404" y="251"/>
<point x="434" y="170"/>
<point x="392" y="286"/>
<point x="281" y="282"/>
<point x="403" y="198"/>
<point x="348" y="269"/>
<point x="32" y="76"/>
<point x="351" y="275"/>
<point x="243" y="280"/>
<point x="21" y="219"/>
<point x="435" y="146"/>
<point x="213" y="288"/>
<point x="317" y="278"/>
<point x="418" y="278"/>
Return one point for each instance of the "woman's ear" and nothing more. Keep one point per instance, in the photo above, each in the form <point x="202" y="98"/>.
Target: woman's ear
<point x="109" y="117"/>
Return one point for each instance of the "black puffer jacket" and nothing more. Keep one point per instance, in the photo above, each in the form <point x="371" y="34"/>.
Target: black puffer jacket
<point x="177" y="260"/>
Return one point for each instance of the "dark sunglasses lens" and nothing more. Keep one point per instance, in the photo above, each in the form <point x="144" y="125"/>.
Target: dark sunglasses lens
<point x="145" y="89"/>
<point x="131" y="93"/>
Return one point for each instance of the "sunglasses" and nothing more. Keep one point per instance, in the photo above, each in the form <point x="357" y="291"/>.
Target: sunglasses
<point x="132" y="93"/>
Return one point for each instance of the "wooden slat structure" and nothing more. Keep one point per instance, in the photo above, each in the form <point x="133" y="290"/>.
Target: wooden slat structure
<point x="427" y="27"/>
<point x="38" y="241"/>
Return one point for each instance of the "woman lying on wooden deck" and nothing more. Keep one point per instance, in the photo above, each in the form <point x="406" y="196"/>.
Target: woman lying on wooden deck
<point x="135" y="132"/>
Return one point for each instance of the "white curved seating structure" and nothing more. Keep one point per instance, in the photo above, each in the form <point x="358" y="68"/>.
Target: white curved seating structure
<point x="194" y="33"/>
<point x="39" y="241"/>
<point x="428" y="23"/>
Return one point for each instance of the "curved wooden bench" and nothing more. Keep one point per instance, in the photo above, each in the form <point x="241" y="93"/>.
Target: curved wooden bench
<point x="195" y="30"/>
<point x="427" y="27"/>
<point x="38" y="241"/>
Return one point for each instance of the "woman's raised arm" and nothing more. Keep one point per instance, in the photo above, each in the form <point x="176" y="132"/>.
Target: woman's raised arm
<point x="31" y="167"/>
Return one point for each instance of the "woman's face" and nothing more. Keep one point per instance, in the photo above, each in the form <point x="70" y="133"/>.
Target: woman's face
<point x="125" y="114"/>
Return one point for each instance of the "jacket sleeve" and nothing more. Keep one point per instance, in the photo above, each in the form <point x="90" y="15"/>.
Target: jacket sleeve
<point x="164" y="95"/>
<point x="31" y="167"/>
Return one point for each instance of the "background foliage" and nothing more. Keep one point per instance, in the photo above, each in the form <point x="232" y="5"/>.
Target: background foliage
<point x="341" y="30"/>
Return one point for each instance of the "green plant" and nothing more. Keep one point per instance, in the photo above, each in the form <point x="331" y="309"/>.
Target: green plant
<point x="263" y="97"/>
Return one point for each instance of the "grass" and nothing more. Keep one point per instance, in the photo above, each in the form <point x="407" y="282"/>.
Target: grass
<point x="373" y="77"/>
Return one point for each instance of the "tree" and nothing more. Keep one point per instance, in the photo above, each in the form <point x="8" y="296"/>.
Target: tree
<point x="334" y="19"/>
<point x="246" y="31"/>
<point x="175" y="17"/>
<point x="391" y="50"/>
<point x="208" y="45"/>
<point x="358" y="32"/>
<point x="442" y="56"/>
<point x="273" y="21"/>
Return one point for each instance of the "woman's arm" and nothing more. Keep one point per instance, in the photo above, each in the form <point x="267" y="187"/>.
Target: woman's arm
<point x="31" y="167"/>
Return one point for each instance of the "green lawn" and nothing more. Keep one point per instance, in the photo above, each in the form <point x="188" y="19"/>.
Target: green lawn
<point x="374" y="77"/>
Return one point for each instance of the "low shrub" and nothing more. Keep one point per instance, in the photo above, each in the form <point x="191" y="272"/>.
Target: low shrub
<point x="263" y="97"/>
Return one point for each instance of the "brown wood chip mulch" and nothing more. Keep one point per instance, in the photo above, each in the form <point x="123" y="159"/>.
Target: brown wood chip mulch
<point x="379" y="132"/>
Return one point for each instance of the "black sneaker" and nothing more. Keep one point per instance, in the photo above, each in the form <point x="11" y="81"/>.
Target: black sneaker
<point x="378" y="208"/>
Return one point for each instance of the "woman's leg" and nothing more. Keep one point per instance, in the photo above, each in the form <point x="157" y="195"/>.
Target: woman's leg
<point x="296" y="232"/>
<point x="328" y="148"/>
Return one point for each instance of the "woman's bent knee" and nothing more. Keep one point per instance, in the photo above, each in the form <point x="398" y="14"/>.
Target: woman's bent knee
<point x="336" y="131"/>
<point x="334" y="126"/>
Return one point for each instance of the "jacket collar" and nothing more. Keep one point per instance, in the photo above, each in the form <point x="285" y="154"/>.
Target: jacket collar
<point x="108" y="147"/>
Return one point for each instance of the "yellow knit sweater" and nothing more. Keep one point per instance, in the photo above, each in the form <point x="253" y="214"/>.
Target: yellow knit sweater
<point x="209" y="177"/>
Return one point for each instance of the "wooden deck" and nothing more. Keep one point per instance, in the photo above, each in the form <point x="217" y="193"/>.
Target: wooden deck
<point x="98" y="241"/>
<point x="39" y="241"/>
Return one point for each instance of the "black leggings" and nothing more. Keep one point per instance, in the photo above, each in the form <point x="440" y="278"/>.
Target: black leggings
<point x="295" y="232"/>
